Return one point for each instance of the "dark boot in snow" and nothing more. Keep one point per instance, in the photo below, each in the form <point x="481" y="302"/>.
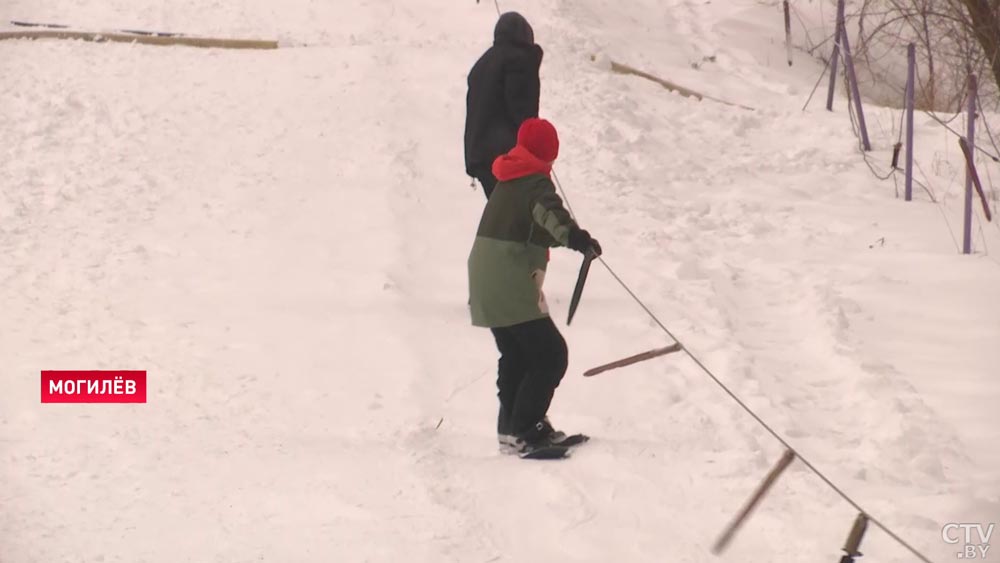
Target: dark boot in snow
<point x="509" y="442"/>
<point x="554" y="436"/>
<point x="537" y="437"/>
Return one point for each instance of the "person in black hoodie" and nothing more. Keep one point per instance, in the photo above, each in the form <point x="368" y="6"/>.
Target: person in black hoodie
<point x="503" y="91"/>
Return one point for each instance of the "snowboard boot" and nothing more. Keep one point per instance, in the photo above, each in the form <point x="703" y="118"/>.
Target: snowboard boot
<point x="554" y="436"/>
<point x="509" y="442"/>
<point x="539" y="436"/>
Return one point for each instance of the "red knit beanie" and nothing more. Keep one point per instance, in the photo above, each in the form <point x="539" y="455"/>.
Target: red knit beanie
<point x="540" y="138"/>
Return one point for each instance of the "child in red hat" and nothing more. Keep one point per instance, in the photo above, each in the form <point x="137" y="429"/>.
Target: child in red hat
<point x="523" y="218"/>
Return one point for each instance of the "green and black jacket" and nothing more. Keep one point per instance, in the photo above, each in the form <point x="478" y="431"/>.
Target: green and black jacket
<point x="522" y="220"/>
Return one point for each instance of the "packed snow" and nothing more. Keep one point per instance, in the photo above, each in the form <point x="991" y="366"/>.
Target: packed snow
<point x="280" y="239"/>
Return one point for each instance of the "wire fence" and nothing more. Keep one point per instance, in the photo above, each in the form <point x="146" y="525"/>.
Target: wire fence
<point x="729" y="392"/>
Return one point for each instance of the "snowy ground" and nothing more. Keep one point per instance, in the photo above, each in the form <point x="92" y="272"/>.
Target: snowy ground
<point x="280" y="239"/>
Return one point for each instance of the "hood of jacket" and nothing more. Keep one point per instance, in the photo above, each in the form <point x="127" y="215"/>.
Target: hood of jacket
<point x="517" y="163"/>
<point x="513" y="28"/>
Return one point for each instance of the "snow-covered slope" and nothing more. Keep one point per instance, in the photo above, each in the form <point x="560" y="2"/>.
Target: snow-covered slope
<point x="280" y="239"/>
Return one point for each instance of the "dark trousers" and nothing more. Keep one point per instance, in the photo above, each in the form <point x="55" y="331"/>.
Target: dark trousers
<point x="533" y="359"/>
<point x="486" y="178"/>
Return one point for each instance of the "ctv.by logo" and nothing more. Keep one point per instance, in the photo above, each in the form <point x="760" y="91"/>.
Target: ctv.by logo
<point x="977" y="543"/>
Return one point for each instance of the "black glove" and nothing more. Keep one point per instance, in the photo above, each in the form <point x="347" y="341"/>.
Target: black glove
<point x="581" y="241"/>
<point x="595" y="247"/>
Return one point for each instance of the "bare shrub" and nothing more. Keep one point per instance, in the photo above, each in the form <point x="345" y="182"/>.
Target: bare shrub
<point x="952" y="37"/>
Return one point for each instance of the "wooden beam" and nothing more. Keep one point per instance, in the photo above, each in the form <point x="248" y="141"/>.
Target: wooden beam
<point x="633" y="359"/>
<point x="686" y="92"/>
<point x="100" y="37"/>
<point x="970" y="166"/>
<point x="769" y="481"/>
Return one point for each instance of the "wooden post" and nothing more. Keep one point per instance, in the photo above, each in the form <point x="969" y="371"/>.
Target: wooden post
<point x="970" y="164"/>
<point x="765" y="486"/>
<point x="852" y="547"/>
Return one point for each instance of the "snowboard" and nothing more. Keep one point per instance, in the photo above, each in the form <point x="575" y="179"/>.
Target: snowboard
<point x="546" y="452"/>
<point x="561" y="450"/>
<point x="573" y="440"/>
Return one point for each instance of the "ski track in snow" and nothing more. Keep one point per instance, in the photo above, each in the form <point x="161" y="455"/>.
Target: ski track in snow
<point x="280" y="239"/>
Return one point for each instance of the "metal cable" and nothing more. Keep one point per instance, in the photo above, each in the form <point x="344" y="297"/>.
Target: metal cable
<point x="733" y="395"/>
<point x="743" y="405"/>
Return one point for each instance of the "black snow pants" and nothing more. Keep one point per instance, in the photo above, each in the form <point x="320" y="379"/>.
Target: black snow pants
<point x="533" y="360"/>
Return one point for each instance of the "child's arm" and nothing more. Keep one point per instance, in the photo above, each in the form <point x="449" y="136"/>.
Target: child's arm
<point x="548" y="211"/>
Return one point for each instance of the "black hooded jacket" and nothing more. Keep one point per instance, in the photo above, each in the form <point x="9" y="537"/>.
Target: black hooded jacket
<point x="503" y="92"/>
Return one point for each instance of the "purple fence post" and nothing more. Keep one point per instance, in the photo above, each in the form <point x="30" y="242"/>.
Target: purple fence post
<point x="971" y="140"/>
<point x="911" y="59"/>
<point x="853" y="79"/>
<point x="836" y="53"/>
